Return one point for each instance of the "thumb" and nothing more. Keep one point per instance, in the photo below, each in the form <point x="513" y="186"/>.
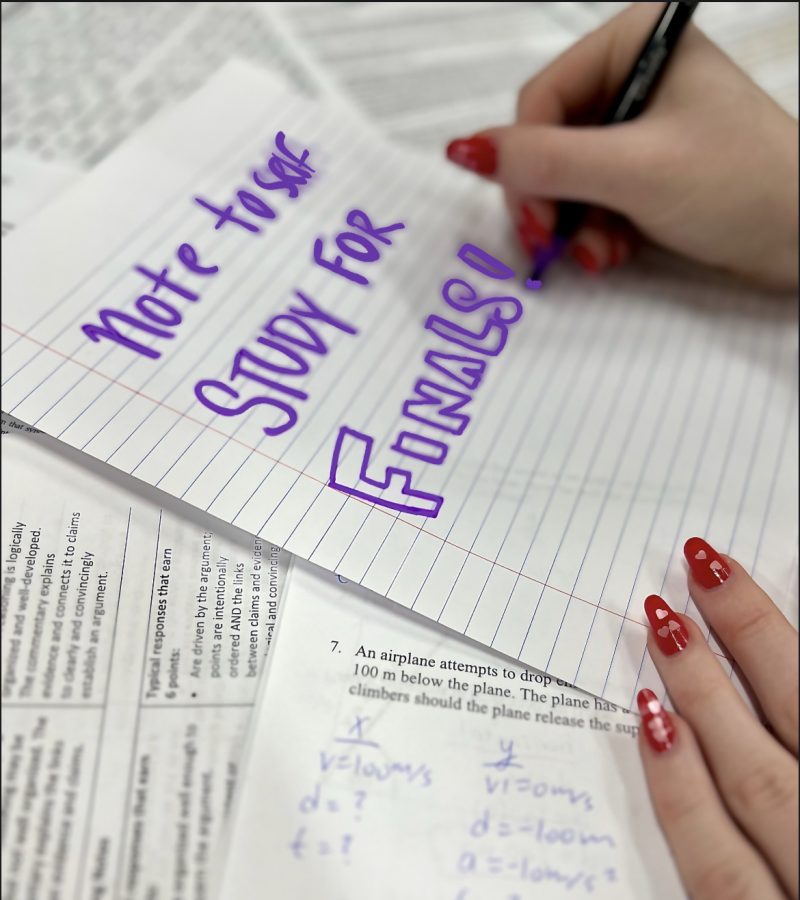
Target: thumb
<point x="601" y="166"/>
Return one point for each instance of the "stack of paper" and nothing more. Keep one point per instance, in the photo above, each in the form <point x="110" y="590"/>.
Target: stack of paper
<point x="292" y="333"/>
<point x="133" y="637"/>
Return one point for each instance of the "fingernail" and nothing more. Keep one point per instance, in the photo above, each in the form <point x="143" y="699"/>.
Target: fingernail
<point x="585" y="259"/>
<point x="708" y="568"/>
<point x="656" y="722"/>
<point x="525" y="238"/>
<point x="478" y="154"/>
<point x="671" y="635"/>
<point x="534" y="228"/>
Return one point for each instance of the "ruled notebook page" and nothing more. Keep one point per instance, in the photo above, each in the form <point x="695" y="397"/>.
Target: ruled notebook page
<point x="587" y="430"/>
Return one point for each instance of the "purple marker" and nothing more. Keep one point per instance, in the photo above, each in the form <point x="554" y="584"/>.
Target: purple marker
<point x="629" y="102"/>
<point x="549" y="254"/>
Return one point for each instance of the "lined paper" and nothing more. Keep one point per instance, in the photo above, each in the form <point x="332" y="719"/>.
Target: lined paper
<point x="624" y="414"/>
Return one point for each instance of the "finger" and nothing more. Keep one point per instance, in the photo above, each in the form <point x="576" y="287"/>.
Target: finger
<point x="755" y="775"/>
<point x="754" y="630"/>
<point x="582" y="81"/>
<point x="591" y="248"/>
<point x="536" y="218"/>
<point x="623" y="238"/>
<point x="623" y="245"/>
<point x="601" y="243"/>
<point x="713" y="857"/>
<point x="602" y="166"/>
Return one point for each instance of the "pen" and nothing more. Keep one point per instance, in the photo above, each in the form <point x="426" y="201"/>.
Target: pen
<point x="630" y="101"/>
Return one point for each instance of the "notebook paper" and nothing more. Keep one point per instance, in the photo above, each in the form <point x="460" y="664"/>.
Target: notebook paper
<point x="133" y="639"/>
<point x="426" y="768"/>
<point x="187" y="678"/>
<point x="555" y="447"/>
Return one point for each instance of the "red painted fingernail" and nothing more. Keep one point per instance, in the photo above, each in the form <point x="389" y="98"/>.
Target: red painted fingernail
<point x="656" y="722"/>
<point x="707" y="566"/>
<point x="478" y="154"/>
<point x="585" y="259"/>
<point x="671" y="635"/>
<point x="525" y="238"/>
<point x="534" y="227"/>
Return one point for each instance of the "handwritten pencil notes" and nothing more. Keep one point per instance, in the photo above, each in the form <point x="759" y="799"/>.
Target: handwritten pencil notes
<point x="257" y="307"/>
<point x="424" y="767"/>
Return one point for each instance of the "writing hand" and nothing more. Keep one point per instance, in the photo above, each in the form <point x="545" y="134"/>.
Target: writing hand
<point x="708" y="170"/>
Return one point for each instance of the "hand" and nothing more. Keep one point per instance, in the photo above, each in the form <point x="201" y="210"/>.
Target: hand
<point x="724" y="787"/>
<point x="708" y="170"/>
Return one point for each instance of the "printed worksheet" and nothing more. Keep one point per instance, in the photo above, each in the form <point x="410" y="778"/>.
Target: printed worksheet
<point x="390" y="759"/>
<point x="428" y="72"/>
<point x="30" y="184"/>
<point x="78" y="78"/>
<point x="133" y="637"/>
<point x="259" y="307"/>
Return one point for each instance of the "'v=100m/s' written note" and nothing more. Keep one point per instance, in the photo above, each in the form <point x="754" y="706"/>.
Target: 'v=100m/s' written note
<point x="523" y="470"/>
<point x="401" y="755"/>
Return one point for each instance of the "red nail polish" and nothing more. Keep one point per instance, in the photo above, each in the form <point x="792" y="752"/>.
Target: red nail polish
<point x="478" y="154"/>
<point x="656" y="722"/>
<point x="525" y="238"/>
<point x="534" y="227"/>
<point x="671" y="634"/>
<point x="585" y="259"/>
<point x="707" y="566"/>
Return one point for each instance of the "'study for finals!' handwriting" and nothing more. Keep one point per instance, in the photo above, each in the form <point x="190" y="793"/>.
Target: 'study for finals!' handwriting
<point x="286" y="346"/>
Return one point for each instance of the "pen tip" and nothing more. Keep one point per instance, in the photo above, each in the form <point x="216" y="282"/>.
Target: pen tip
<point x="542" y="262"/>
<point x="534" y="282"/>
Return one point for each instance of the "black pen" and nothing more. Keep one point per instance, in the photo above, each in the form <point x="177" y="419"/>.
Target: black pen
<point x="630" y="101"/>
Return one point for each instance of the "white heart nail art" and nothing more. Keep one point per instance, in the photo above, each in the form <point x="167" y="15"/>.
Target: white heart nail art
<point x="715" y="566"/>
<point x="672" y="625"/>
<point x="701" y="554"/>
<point x="661" y="614"/>
<point x="658" y="730"/>
<point x="654" y="707"/>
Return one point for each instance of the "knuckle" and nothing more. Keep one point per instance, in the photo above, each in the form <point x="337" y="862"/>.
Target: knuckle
<point x="676" y="807"/>
<point x="764" y="787"/>
<point x="749" y="624"/>
<point x="723" y="879"/>
<point x="525" y="92"/>
<point x="787" y="714"/>
<point x="696" y="696"/>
